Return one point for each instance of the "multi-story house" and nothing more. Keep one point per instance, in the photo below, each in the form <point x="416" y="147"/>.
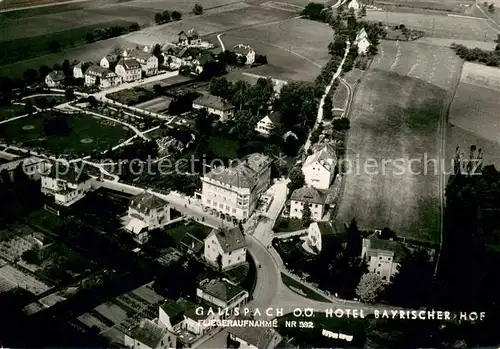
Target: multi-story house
<point x="189" y="38"/>
<point x="225" y="249"/>
<point x="109" y="61"/>
<point x="80" y="68"/>
<point x="246" y="53"/>
<point x="128" y="69"/>
<point x="149" y="335"/>
<point x="148" y="62"/>
<point x="146" y="212"/>
<point x="32" y="166"/>
<point x="66" y="184"/>
<point x="319" y="167"/>
<point x="54" y="78"/>
<point x="316" y="233"/>
<point x="221" y="294"/>
<point x="354" y="4"/>
<point x="267" y="123"/>
<point x="383" y="256"/>
<point x="362" y="41"/>
<point x="307" y="196"/>
<point x="103" y="77"/>
<point x="255" y="337"/>
<point x="233" y="192"/>
<point x="215" y="105"/>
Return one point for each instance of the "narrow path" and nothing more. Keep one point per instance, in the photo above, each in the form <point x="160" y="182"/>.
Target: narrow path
<point x="319" y="117"/>
<point x="223" y="48"/>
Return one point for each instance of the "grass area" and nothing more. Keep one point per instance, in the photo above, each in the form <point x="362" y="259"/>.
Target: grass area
<point x="286" y="225"/>
<point x="40" y="11"/>
<point x="25" y="48"/>
<point x="132" y="96"/>
<point x="86" y="134"/>
<point x="51" y="99"/>
<point x="9" y="111"/>
<point x="238" y="274"/>
<point x="177" y="231"/>
<point x="223" y="148"/>
<point x="43" y="219"/>
<point x="302" y="290"/>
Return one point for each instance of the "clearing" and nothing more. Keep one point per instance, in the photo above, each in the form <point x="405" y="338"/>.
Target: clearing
<point x="30" y="132"/>
<point x="393" y="141"/>
<point x="438" y="25"/>
<point x="474" y="112"/>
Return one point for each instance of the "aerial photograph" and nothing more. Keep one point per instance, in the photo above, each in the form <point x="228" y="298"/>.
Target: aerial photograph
<point x="249" y="174"/>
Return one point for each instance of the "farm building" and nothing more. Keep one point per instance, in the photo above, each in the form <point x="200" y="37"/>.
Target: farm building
<point x="55" y="78"/>
<point x="245" y="52"/>
<point x="189" y="38"/>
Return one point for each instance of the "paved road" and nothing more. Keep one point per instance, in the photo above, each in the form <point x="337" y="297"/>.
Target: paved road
<point x="319" y="117"/>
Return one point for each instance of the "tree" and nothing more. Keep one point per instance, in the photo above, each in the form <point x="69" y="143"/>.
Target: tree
<point x="314" y="11"/>
<point x="134" y="27"/>
<point x="354" y="240"/>
<point x="43" y="71"/>
<point x="70" y="94"/>
<point x="28" y="107"/>
<point x="491" y="8"/>
<point x="327" y="108"/>
<point x="220" y="86"/>
<point x="176" y="16"/>
<point x="306" y="214"/>
<point x="158" y="18"/>
<point x="30" y="76"/>
<point x="341" y="124"/>
<point x="197" y="9"/>
<point x="218" y="261"/>
<point x="97" y="81"/>
<point x="158" y="54"/>
<point x="370" y="288"/>
<point x="92" y="101"/>
<point x="66" y="68"/>
<point x="54" y="46"/>
<point x="32" y="256"/>
<point x="297" y="179"/>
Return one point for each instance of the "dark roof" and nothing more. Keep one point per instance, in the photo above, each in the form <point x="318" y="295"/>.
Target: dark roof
<point x="98" y="71"/>
<point x="129" y="63"/>
<point x="213" y="102"/>
<point x="245" y="174"/>
<point x="275" y="117"/>
<point x="377" y="244"/>
<point x="242" y="49"/>
<point x="112" y="58"/>
<point x="260" y="337"/>
<point x="148" y="333"/>
<point x="205" y="58"/>
<point x="70" y="174"/>
<point x="192" y="34"/>
<point x="220" y="289"/>
<point x="309" y="194"/>
<point x="57" y="75"/>
<point x="145" y="202"/>
<point x="183" y="53"/>
<point x="325" y="228"/>
<point x="176" y="309"/>
<point x="230" y="240"/>
<point x="140" y="55"/>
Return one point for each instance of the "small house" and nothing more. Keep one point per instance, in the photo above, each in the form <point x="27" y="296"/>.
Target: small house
<point x="246" y="53"/>
<point x="54" y="78"/>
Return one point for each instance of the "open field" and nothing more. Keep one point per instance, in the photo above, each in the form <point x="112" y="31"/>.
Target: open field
<point x="87" y="134"/>
<point x="490" y="46"/>
<point x="395" y="120"/>
<point x="438" y="5"/>
<point x="474" y="112"/>
<point x="439" y="26"/>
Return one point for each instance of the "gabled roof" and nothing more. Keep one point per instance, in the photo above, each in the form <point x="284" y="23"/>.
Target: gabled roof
<point x="230" y="240"/>
<point x="168" y="46"/>
<point x="176" y="309"/>
<point x="325" y="156"/>
<point x="57" y="75"/>
<point x="260" y="337"/>
<point x="140" y="55"/>
<point x="361" y="35"/>
<point x="148" y="333"/>
<point x="220" y="289"/>
<point x="69" y="174"/>
<point x="112" y="58"/>
<point x="245" y="174"/>
<point x="213" y="102"/>
<point x="129" y="63"/>
<point x="325" y="228"/>
<point x="275" y="117"/>
<point x="145" y="202"/>
<point x="381" y="245"/>
<point x="242" y="49"/>
<point x="97" y="70"/>
<point x="308" y="194"/>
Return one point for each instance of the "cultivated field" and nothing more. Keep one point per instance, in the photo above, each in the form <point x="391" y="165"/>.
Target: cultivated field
<point x="438" y="5"/>
<point x="86" y="134"/>
<point x="339" y="97"/>
<point x="439" y="26"/>
<point x="394" y="125"/>
<point x="23" y="280"/>
<point x="475" y="111"/>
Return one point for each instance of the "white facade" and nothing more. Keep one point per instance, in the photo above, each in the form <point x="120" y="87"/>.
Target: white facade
<point x="205" y="294"/>
<point x="106" y="79"/>
<point x="222" y="114"/>
<point x="354" y="4"/>
<point x="54" y="79"/>
<point x="363" y="46"/>
<point x="245" y="51"/>
<point x="314" y="236"/>
<point x="319" y="168"/>
<point x="381" y="261"/>
<point x="78" y="72"/>
<point x="65" y="192"/>
<point x="297" y="207"/>
<point x="235" y="192"/>
<point x="128" y="70"/>
<point x="148" y="62"/>
<point x="32" y="166"/>
<point x="264" y="126"/>
<point x="107" y="62"/>
<point x="230" y="257"/>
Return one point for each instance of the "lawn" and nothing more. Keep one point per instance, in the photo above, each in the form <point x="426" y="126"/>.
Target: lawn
<point x="177" y="231"/>
<point x="86" y="134"/>
<point x="9" y="111"/>
<point x="285" y="225"/>
<point x="37" y="45"/>
<point x="223" y="148"/>
<point x="132" y="96"/>
<point x="305" y="291"/>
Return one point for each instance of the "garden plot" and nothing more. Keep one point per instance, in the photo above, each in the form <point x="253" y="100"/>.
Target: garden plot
<point x="438" y="26"/>
<point x="475" y="109"/>
<point x="23" y="280"/>
<point x="155" y="105"/>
